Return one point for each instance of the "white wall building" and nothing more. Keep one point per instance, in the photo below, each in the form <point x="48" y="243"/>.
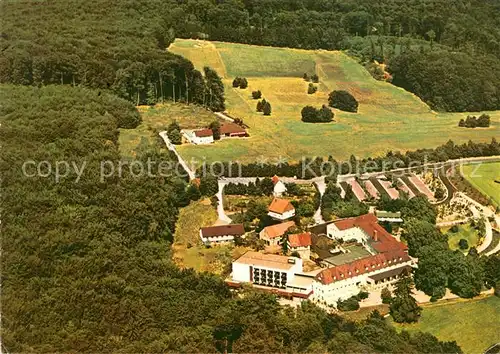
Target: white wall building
<point x="281" y="209"/>
<point x="279" y="187"/>
<point x="199" y="137"/>
<point x="279" y="274"/>
<point x="221" y="233"/>
<point x="370" y="273"/>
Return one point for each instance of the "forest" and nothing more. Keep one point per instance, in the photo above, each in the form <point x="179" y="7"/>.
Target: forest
<point x="122" y="48"/>
<point x="86" y="262"/>
<point x="86" y="265"/>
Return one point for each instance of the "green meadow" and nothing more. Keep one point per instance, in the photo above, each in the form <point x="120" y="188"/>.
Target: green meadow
<point x="483" y="178"/>
<point x="389" y="118"/>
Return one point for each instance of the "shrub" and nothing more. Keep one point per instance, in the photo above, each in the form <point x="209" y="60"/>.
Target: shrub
<point x="315" y="78"/>
<point x="386" y="295"/>
<point x="260" y="105"/>
<point x="362" y="295"/>
<point x="256" y="94"/>
<point x="175" y="137"/>
<point x="215" y="126"/>
<point x="343" y="100"/>
<point x="236" y="82"/>
<point x="295" y="254"/>
<point x="305" y="77"/>
<point x="311" y="89"/>
<point x="472" y="122"/>
<point x="463" y="244"/>
<point x="243" y="83"/>
<point x="313" y="115"/>
<point x="266" y="108"/>
<point x="454" y="229"/>
<point x="350" y="304"/>
<point x="240" y="82"/>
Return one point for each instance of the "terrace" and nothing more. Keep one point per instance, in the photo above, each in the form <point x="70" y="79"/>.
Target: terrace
<point x="391" y="191"/>
<point x="422" y="188"/>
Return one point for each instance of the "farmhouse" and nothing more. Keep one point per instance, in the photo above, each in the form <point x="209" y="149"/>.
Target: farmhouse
<point x="221" y="233"/>
<point x="281" y="209"/>
<point x="279" y="187"/>
<point x="199" y="137"/>
<point x="279" y="274"/>
<point x="273" y="234"/>
<point x="300" y="243"/>
<point x="230" y="130"/>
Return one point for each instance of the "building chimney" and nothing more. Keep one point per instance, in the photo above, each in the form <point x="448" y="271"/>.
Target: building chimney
<point x="375" y="235"/>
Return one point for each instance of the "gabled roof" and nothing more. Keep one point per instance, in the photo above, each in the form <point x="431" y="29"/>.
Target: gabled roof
<point x="361" y="266"/>
<point x="381" y="241"/>
<point x="278" y="230"/>
<point x="232" y="128"/>
<point x="222" y="230"/>
<point x="280" y="206"/>
<point x="275" y="179"/>
<point x="300" y="240"/>
<point x="203" y="133"/>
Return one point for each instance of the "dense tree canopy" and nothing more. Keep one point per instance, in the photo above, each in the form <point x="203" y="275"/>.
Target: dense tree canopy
<point x="449" y="81"/>
<point x="120" y="45"/>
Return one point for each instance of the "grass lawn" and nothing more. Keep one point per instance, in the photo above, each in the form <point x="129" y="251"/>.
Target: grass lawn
<point x="157" y="118"/>
<point x="474" y="324"/>
<point x="483" y="177"/>
<point x="464" y="232"/>
<point x="388" y="117"/>
<point x="188" y="249"/>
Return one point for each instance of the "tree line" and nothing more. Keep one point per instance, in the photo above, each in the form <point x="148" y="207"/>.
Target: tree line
<point x="315" y="167"/>
<point x="79" y="45"/>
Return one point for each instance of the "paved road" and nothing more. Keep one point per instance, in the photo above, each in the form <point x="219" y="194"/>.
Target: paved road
<point x="171" y="147"/>
<point x="220" y="204"/>
<point x="318" y="218"/>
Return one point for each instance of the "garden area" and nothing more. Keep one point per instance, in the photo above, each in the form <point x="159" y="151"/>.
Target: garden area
<point x="188" y="250"/>
<point x="463" y="237"/>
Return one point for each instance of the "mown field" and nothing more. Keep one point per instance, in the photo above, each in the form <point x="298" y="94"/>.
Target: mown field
<point x="483" y="177"/>
<point x="473" y="324"/>
<point x="388" y="117"/>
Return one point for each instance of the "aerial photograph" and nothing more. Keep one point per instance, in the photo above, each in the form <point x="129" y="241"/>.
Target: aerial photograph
<point x="250" y="176"/>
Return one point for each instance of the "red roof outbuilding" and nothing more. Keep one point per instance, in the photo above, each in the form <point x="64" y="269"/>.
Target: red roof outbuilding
<point x="300" y="240"/>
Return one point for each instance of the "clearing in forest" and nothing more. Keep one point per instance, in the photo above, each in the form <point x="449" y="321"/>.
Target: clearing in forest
<point x="389" y="117"/>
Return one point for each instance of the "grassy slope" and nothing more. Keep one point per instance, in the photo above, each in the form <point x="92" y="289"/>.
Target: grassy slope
<point x="473" y="324"/>
<point x="483" y="178"/>
<point x="389" y="117"/>
<point x="159" y="117"/>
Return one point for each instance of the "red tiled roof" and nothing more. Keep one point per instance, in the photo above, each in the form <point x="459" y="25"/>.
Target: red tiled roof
<point x="222" y="230"/>
<point x="231" y="128"/>
<point x="300" y="240"/>
<point x="278" y="230"/>
<point x="203" y="133"/>
<point x="275" y="179"/>
<point x="381" y="240"/>
<point x="280" y="206"/>
<point x="361" y="266"/>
